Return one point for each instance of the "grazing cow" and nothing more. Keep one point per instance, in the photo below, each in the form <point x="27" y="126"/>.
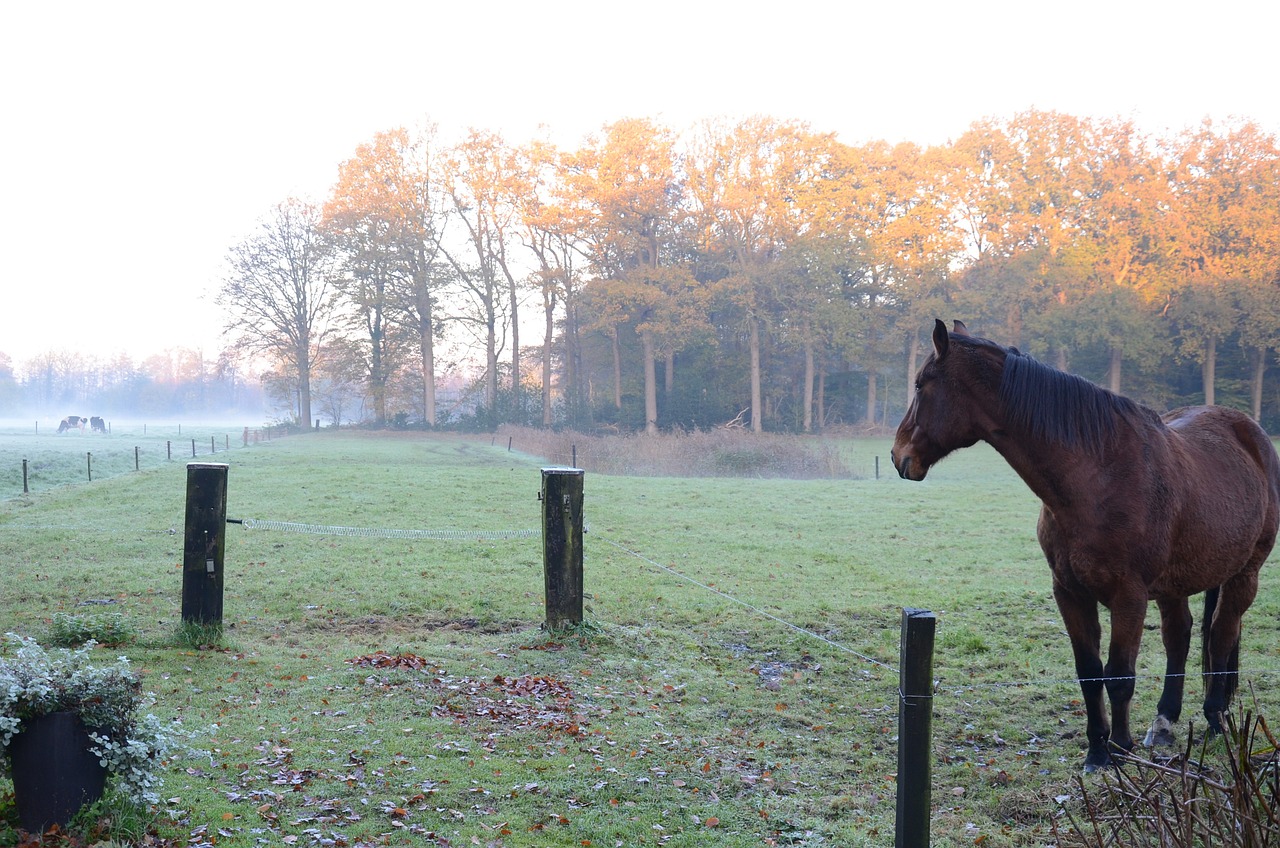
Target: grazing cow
<point x="73" y="422"/>
<point x="97" y="425"/>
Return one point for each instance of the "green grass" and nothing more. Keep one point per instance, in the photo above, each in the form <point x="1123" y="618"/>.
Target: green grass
<point x="56" y="459"/>
<point x="689" y="710"/>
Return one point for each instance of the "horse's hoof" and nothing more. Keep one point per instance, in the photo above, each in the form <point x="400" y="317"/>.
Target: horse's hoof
<point x="1160" y="735"/>
<point x="1094" y="762"/>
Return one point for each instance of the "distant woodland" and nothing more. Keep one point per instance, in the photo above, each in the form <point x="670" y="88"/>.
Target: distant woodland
<point x="758" y="273"/>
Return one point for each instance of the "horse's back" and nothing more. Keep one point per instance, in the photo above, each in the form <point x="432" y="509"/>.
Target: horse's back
<point x="1229" y="465"/>
<point x="1219" y="434"/>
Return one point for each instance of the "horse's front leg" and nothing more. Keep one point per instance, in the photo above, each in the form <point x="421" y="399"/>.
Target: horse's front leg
<point x="1080" y="615"/>
<point x="1128" y="612"/>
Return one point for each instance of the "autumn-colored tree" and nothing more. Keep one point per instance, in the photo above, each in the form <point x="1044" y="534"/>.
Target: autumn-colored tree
<point x="279" y="294"/>
<point x="628" y="184"/>
<point x="550" y="222"/>
<point x="364" y="216"/>
<point x="905" y="242"/>
<point x="1226" y="189"/>
<point x="757" y="187"/>
<point x="482" y="177"/>
<point x="1259" y="332"/>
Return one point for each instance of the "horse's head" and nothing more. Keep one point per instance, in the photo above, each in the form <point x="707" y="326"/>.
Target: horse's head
<point x="943" y="415"/>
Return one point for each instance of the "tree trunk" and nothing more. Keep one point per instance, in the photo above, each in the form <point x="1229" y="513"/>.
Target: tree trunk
<point x="304" y="383"/>
<point x="913" y="352"/>
<point x="756" y="410"/>
<point x="576" y="396"/>
<point x="871" y="399"/>
<point x="491" y="358"/>
<point x="1259" y="370"/>
<point x="1113" y="372"/>
<point x="517" y="387"/>
<point x="822" y="399"/>
<point x="808" y="384"/>
<point x="617" y="370"/>
<point x="549" y="307"/>
<point x="650" y="385"/>
<point x="1208" y="367"/>
<point x="427" y="343"/>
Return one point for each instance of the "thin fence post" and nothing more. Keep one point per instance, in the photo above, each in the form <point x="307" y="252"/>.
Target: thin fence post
<point x="915" y="729"/>
<point x="193" y="448"/>
<point x="168" y="449"/>
<point x="25" y="490"/>
<point x="88" y="464"/>
<point x="877" y="467"/>
<point x="226" y="441"/>
<point x="561" y="497"/>
<point x="135" y="458"/>
<point x="204" y="542"/>
<point x="509" y="439"/>
<point x="213" y="445"/>
<point x="575" y="455"/>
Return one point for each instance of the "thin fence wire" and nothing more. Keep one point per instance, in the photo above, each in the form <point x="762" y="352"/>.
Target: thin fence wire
<point x="380" y="533"/>
<point x="797" y="628"/>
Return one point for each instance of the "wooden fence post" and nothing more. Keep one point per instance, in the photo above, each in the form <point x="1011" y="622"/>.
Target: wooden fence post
<point x="204" y="542"/>
<point x="562" y="545"/>
<point x="25" y="490"/>
<point x="915" y="729"/>
<point x="88" y="464"/>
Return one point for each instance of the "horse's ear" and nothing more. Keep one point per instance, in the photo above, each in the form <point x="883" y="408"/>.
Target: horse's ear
<point x="960" y="329"/>
<point x="941" y="340"/>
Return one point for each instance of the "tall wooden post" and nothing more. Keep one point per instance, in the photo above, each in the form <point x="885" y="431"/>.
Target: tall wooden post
<point x="204" y="543"/>
<point x="915" y="729"/>
<point x="562" y="545"/>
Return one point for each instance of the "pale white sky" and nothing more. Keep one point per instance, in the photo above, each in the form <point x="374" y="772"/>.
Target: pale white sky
<point x="140" y="140"/>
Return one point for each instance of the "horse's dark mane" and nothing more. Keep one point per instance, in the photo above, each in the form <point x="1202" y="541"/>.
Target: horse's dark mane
<point x="1060" y="407"/>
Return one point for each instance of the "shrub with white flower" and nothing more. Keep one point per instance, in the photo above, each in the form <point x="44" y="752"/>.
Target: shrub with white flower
<point x="108" y="697"/>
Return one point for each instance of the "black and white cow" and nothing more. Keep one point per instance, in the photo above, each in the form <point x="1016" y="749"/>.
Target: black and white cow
<point x="73" y="422"/>
<point x="97" y="425"/>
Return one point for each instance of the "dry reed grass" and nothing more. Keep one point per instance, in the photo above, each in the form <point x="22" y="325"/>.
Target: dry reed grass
<point x="1227" y="799"/>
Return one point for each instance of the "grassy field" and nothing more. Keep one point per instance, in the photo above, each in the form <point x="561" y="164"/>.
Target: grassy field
<point x="734" y="683"/>
<point x="55" y="459"/>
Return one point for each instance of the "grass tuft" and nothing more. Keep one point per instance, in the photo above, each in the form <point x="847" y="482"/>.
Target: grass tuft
<point x="109" y="629"/>
<point x="199" y="635"/>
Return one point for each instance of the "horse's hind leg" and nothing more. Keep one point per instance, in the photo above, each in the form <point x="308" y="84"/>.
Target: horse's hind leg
<point x="1223" y="609"/>
<point x="1175" y="631"/>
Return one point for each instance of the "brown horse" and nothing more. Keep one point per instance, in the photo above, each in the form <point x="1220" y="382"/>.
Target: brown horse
<point x="1135" y="508"/>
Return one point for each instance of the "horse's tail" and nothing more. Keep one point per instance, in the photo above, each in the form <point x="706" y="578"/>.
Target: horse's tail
<point x="1233" y="660"/>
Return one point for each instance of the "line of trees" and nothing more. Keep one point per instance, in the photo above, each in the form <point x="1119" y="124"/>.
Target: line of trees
<point x="763" y="272"/>
<point x="174" y="382"/>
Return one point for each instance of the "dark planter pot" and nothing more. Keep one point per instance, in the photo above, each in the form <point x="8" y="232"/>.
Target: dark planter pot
<point x="53" y="772"/>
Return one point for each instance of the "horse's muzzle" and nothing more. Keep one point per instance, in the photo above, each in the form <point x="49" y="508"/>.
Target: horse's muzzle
<point x="904" y="465"/>
<point x="899" y="465"/>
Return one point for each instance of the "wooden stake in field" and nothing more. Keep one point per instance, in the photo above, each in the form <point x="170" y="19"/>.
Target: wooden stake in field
<point x="915" y="729"/>
<point x="562" y="545"/>
<point x="204" y="542"/>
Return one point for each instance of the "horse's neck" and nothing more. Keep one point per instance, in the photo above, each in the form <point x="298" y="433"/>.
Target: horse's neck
<point x="1058" y="475"/>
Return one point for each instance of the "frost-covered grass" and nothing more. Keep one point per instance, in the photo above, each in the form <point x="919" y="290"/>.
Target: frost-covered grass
<point x="734" y="683"/>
